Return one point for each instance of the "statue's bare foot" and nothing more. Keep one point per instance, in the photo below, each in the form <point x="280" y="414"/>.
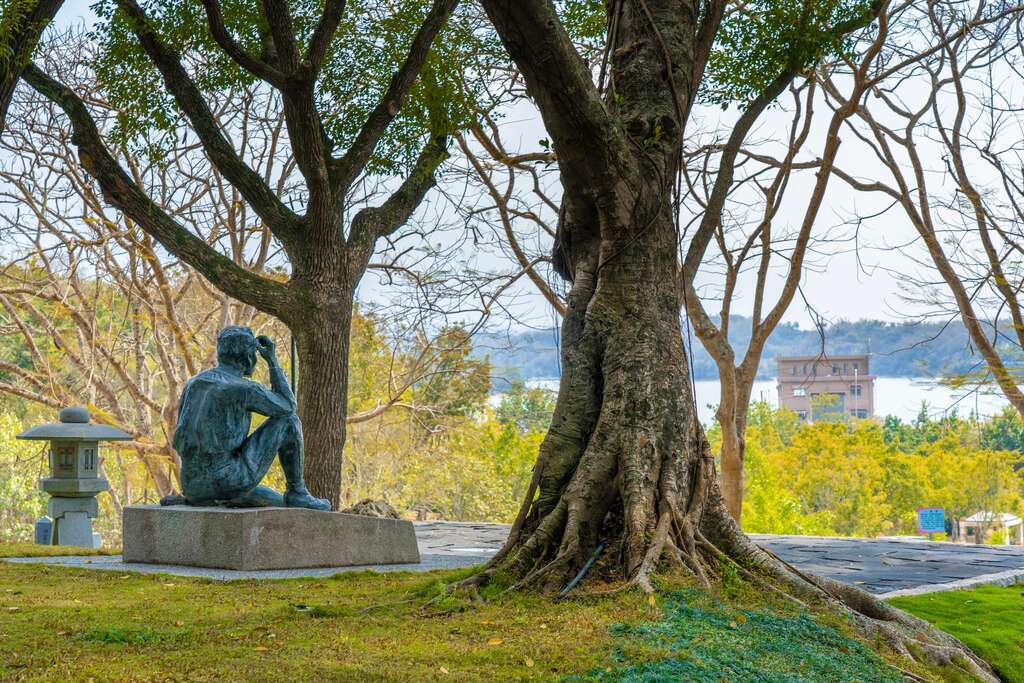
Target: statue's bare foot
<point x="259" y="497"/>
<point x="304" y="499"/>
<point x="174" y="499"/>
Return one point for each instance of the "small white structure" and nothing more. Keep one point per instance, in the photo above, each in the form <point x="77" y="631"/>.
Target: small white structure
<point x="982" y="525"/>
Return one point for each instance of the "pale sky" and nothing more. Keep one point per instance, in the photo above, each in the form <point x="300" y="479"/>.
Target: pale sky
<point x="857" y="283"/>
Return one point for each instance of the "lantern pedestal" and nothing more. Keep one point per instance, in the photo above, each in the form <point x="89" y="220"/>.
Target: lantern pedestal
<point x="71" y="522"/>
<point x="72" y="528"/>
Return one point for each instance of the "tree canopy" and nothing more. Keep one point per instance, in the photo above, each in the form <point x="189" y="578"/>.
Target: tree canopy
<point x="367" y="50"/>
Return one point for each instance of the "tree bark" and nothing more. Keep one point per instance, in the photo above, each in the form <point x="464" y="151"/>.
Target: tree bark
<point x="322" y="391"/>
<point x="321" y="321"/>
<point x="732" y="416"/>
<point x="625" y="460"/>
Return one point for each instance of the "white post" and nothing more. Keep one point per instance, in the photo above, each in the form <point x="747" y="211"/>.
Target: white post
<point x="856" y="394"/>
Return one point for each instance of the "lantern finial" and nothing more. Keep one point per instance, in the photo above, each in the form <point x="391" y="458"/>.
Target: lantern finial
<point x="76" y="414"/>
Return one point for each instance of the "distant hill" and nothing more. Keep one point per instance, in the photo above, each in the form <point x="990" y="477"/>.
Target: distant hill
<point x="897" y="349"/>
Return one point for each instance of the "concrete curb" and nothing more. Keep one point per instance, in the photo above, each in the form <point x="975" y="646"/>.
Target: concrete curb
<point x="1007" y="578"/>
<point x="116" y="563"/>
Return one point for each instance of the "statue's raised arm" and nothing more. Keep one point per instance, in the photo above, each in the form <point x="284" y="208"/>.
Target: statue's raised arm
<point x="221" y="463"/>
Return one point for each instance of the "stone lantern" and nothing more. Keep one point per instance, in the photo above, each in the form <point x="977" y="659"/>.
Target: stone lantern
<point x="74" y="479"/>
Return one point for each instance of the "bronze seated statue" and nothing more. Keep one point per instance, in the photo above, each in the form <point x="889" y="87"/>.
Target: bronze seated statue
<point x="221" y="462"/>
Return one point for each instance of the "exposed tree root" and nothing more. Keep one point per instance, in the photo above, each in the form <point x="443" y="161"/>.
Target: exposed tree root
<point x="701" y="538"/>
<point x="904" y="633"/>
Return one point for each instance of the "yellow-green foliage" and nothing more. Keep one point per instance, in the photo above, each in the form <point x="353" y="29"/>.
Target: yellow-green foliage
<point x="472" y="468"/>
<point x="21" y="465"/>
<point x="997" y="537"/>
<point x="478" y="472"/>
<point x="861" y="478"/>
<point x="440" y="451"/>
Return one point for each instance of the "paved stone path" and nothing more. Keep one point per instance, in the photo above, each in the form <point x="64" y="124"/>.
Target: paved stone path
<point x="886" y="567"/>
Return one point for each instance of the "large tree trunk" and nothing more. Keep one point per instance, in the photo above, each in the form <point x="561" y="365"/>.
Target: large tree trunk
<point x="322" y="342"/>
<point x="626" y="469"/>
<point x="625" y="462"/>
<point x="625" y="466"/>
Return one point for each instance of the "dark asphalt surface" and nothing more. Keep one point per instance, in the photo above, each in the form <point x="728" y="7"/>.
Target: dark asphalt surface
<point x="886" y="565"/>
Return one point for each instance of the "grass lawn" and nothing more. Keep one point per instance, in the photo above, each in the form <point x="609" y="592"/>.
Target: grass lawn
<point x="73" y="624"/>
<point x="989" y="619"/>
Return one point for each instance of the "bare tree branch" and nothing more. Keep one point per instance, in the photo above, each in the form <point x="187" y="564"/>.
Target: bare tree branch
<point x="121" y="191"/>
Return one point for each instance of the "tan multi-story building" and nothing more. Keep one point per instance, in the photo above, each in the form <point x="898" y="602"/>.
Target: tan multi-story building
<point x="813" y="386"/>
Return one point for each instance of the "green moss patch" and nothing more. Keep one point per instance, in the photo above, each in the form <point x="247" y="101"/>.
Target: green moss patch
<point x="989" y="620"/>
<point x="129" y="635"/>
<point x="699" y="639"/>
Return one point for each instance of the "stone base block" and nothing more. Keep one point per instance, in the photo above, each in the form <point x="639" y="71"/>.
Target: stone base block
<point x="263" y="538"/>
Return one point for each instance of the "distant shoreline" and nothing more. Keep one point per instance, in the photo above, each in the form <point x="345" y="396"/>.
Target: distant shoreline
<point x="900" y="397"/>
<point x="714" y="378"/>
<point x="898" y="350"/>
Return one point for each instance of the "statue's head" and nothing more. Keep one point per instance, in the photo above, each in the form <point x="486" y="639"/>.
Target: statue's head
<point x="236" y="348"/>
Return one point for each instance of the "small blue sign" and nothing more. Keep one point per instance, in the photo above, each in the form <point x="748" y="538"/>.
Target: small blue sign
<point x="931" y="520"/>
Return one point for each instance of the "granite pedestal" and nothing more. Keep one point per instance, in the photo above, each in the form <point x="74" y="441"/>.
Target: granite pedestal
<point x="263" y="538"/>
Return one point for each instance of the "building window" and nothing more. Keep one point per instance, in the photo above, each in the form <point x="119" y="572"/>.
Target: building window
<point x="792" y="369"/>
<point x="854" y="390"/>
<point x="856" y="367"/>
<point x="860" y="412"/>
<point x="802" y="414"/>
<point x="805" y="368"/>
<point x="835" y="369"/>
<point x="799" y="391"/>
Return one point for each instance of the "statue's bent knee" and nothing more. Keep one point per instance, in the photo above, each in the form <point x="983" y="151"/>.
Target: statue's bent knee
<point x="288" y="422"/>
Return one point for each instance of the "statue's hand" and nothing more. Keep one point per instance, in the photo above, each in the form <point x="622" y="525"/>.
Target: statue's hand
<point x="265" y="346"/>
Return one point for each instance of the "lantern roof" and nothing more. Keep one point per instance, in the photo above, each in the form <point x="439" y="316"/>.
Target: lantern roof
<point x="74" y="425"/>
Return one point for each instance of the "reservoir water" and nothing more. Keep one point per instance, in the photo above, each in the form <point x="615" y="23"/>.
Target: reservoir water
<point x="898" y="396"/>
